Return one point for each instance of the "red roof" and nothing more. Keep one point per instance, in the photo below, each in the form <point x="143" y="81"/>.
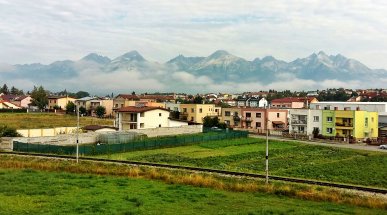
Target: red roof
<point x="128" y="96"/>
<point x="160" y="97"/>
<point x="292" y="99"/>
<point x="134" y="109"/>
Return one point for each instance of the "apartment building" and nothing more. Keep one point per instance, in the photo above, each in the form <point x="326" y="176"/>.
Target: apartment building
<point x="196" y="112"/>
<point x="304" y="121"/>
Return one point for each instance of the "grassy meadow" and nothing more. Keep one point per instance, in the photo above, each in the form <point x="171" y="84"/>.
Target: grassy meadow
<point x="285" y="159"/>
<point x="47" y="120"/>
<point x="40" y="186"/>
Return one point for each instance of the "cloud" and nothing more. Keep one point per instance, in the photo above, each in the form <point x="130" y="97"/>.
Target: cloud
<point x="162" y="29"/>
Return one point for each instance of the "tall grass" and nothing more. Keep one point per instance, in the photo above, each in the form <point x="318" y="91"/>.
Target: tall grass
<point x="47" y="120"/>
<point x="305" y="192"/>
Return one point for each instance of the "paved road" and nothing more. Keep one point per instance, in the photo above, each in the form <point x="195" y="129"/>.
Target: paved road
<point x="360" y="146"/>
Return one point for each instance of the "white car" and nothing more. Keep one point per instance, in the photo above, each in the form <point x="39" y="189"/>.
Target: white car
<point x="383" y="147"/>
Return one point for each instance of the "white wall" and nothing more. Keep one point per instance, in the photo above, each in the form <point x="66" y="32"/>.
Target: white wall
<point x="367" y="106"/>
<point x="152" y="119"/>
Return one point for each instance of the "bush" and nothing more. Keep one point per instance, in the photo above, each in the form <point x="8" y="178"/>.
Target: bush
<point x="8" y="132"/>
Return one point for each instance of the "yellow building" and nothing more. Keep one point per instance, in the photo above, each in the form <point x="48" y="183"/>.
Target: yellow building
<point x="196" y="112"/>
<point x="60" y="101"/>
<point x="345" y="123"/>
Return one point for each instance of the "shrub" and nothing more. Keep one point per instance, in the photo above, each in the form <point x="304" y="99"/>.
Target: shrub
<point x="6" y="131"/>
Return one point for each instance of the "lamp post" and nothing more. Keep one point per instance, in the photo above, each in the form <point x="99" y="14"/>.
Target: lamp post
<point x="267" y="146"/>
<point x="77" y="133"/>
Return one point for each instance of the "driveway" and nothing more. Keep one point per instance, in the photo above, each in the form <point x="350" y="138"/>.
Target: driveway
<point x="359" y="146"/>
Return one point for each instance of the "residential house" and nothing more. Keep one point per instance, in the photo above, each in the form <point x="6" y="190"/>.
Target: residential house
<point x="131" y="117"/>
<point x="304" y="121"/>
<point x="104" y="102"/>
<point x="59" y="101"/>
<point x="230" y="102"/>
<point x="231" y="116"/>
<point x="172" y="106"/>
<point x="124" y="100"/>
<point x="8" y="105"/>
<point x="85" y="102"/>
<point x="196" y="112"/>
<point x="346" y="123"/>
<point x="292" y="102"/>
<point x="22" y="101"/>
<point x="262" y="119"/>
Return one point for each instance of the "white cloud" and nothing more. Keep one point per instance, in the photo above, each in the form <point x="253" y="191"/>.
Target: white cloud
<point x="162" y="29"/>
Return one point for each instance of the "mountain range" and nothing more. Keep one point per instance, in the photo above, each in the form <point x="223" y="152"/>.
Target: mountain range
<point x="219" y="68"/>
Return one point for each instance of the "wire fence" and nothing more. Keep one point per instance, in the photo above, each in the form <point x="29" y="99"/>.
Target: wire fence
<point x="132" y="145"/>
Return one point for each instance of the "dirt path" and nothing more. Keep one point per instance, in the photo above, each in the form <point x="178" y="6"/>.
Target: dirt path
<point x="359" y="146"/>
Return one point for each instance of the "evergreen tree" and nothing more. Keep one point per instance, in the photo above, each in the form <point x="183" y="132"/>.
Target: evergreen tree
<point x="4" y="89"/>
<point x="39" y="97"/>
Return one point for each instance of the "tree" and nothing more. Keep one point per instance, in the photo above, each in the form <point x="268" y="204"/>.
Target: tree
<point x="81" y="94"/>
<point x="39" y="97"/>
<point x="70" y="107"/>
<point x="82" y="110"/>
<point x="4" y="89"/>
<point x="100" y="111"/>
<point x="56" y="107"/>
<point x="8" y="132"/>
<point x="316" y="132"/>
<point x="198" y="100"/>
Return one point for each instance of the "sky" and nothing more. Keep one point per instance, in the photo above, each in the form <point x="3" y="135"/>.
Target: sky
<point x="44" y="31"/>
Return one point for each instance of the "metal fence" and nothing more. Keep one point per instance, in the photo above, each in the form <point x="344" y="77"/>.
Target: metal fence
<point x="133" y="145"/>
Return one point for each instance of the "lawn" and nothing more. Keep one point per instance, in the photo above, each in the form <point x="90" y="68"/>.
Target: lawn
<point x="47" y="120"/>
<point x="286" y="159"/>
<point x="35" y="192"/>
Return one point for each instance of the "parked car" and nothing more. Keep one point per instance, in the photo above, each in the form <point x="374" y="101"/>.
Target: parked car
<point x="383" y="147"/>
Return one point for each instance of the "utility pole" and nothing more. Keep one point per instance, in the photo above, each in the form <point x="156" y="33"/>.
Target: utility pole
<point x="77" y="133"/>
<point x="267" y="145"/>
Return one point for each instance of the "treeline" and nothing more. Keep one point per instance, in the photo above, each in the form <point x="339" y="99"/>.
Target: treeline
<point x="13" y="91"/>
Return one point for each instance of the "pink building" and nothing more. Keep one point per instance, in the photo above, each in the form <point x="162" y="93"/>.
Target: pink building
<point x="256" y="118"/>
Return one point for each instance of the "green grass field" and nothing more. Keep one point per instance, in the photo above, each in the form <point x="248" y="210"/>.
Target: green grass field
<point x="35" y="192"/>
<point x="47" y="120"/>
<point x="286" y="159"/>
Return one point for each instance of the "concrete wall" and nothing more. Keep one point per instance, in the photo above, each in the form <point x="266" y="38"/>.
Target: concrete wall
<point x="154" y="132"/>
<point x="46" y="132"/>
<point x="154" y="118"/>
<point x="92" y="137"/>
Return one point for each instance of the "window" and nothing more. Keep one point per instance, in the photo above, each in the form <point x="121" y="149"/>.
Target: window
<point x="347" y="108"/>
<point x="329" y="130"/>
<point x="116" y="105"/>
<point x="258" y="124"/>
<point x="235" y="113"/>
<point x="315" y="119"/>
<point x="200" y="110"/>
<point x="278" y="115"/>
<point x="192" y="110"/>
<point x="192" y="118"/>
<point x="258" y="115"/>
<point x="216" y="110"/>
<point x="141" y="114"/>
<point x="358" y="108"/>
<point x="372" y="119"/>
<point x="227" y="113"/>
<point x="317" y="107"/>
<point x="141" y="125"/>
<point x="184" y="110"/>
<point x="329" y="119"/>
<point x="248" y="114"/>
<point x="336" y="108"/>
<point x="159" y="125"/>
<point x="159" y="114"/>
<point x="366" y="122"/>
<point x="227" y="122"/>
<point x="122" y="105"/>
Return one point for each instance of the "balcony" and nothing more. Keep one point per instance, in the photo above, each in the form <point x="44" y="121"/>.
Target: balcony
<point x="298" y="122"/>
<point x="247" y="119"/>
<point x="344" y="124"/>
<point x="236" y="118"/>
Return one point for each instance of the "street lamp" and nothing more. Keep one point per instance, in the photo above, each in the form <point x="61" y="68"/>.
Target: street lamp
<point x="77" y="133"/>
<point x="267" y="146"/>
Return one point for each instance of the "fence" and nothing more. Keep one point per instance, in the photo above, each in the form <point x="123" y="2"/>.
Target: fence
<point x="133" y="145"/>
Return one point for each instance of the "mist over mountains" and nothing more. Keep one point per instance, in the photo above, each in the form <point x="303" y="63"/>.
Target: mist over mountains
<point x="220" y="71"/>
